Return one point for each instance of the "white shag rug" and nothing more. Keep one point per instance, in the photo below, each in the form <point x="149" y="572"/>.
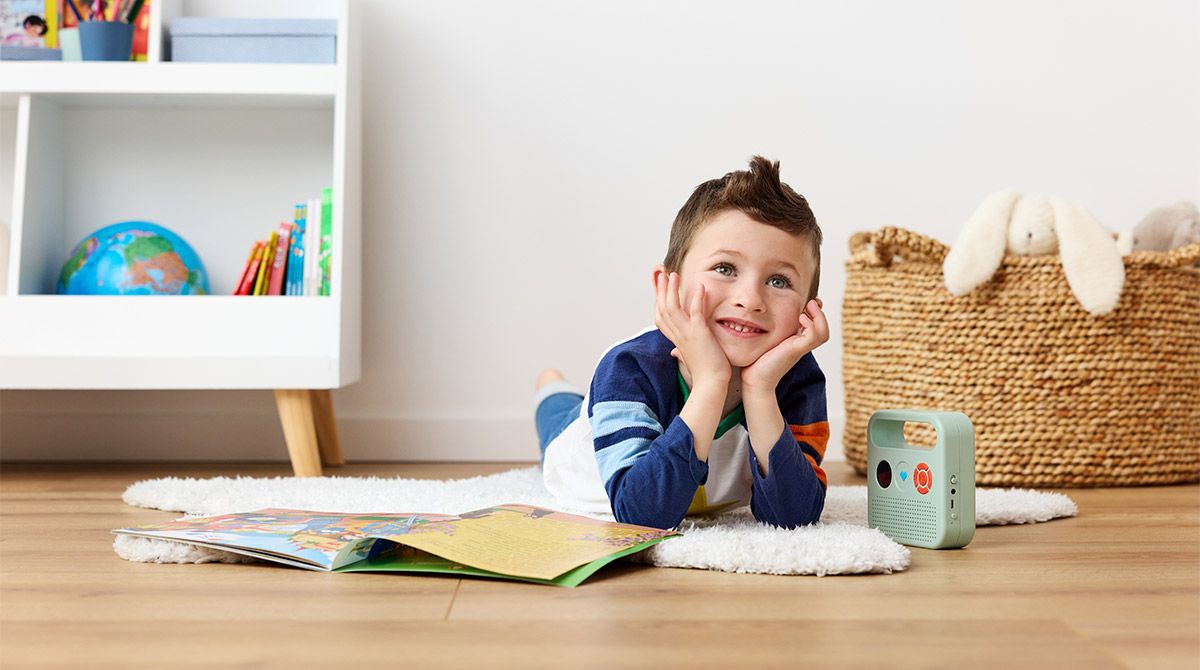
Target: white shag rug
<point x="732" y="542"/>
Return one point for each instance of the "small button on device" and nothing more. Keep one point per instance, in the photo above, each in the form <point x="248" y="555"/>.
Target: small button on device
<point x="922" y="478"/>
<point x="954" y="515"/>
<point x="883" y="474"/>
<point x="953" y="479"/>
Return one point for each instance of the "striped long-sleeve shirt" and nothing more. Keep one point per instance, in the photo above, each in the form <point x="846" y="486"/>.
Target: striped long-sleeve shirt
<point x="629" y="453"/>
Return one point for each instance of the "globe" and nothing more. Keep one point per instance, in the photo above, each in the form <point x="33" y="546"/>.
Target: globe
<point x="133" y="258"/>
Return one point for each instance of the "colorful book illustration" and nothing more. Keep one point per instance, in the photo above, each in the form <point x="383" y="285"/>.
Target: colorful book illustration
<point x="520" y="542"/>
<point x="279" y="264"/>
<point x="29" y="23"/>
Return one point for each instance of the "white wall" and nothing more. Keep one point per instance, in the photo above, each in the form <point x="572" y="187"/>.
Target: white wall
<point x="524" y="161"/>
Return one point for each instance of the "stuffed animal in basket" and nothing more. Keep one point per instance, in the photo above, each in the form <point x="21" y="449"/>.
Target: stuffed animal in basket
<point x="1029" y="225"/>
<point x="1163" y="229"/>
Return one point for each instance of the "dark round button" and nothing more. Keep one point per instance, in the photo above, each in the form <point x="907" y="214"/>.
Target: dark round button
<point x="883" y="474"/>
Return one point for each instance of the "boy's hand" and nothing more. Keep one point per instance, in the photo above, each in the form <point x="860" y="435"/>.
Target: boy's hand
<point x="765" y="373"/>
<point x="688" y="330"/>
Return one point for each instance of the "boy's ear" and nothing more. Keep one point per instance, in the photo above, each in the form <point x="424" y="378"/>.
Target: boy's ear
<point x="658" y="270"/>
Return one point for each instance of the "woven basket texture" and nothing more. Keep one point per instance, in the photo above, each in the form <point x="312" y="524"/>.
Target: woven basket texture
<point x="1058" y="397"/>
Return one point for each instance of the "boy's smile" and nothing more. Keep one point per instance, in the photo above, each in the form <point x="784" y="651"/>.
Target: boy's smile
<point x="756" y="279"/>
<point x="740" y="328"/>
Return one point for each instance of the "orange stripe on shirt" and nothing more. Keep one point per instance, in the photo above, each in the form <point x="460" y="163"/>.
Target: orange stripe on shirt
<point x="815" y="435"/>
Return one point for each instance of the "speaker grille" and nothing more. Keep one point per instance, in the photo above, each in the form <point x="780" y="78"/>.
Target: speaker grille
<point x="904" y="519"/>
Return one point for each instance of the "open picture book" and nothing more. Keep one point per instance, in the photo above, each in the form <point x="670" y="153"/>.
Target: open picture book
<point x="521" y="542"/>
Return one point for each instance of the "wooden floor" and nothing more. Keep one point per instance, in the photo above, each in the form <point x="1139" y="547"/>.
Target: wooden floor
<point x="1118" y="586"/>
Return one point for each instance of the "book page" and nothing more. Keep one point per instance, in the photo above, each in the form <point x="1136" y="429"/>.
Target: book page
<point x="525" y="541"/>
<point x="517" y="540"/>
<point x="324" y="540"/>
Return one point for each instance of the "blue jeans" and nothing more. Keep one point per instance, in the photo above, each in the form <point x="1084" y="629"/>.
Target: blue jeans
<point x="557" y="406"/>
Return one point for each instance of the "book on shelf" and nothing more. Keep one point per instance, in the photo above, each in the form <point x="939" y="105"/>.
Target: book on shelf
<point x="295" y="268"/>
<point x="326" y="257"/>
<point x="264" y="268"/>
<point x="519" y="542"/>
<point x="29" y="23"/>
<point x="250" y="272"/>
<point x="312" y="249"/>
<point x="296" y="259"/>
<point x="279" y="263"/>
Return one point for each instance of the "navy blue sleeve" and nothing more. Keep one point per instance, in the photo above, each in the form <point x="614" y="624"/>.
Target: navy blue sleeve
<point x="793" y="492"/>
<point x="657" y="489"/>
<point x="650" y="473"/>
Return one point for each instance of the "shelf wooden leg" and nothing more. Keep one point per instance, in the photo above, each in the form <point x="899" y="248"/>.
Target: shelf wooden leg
<point x="299" y="430"/>
<point x="327" y="433"/>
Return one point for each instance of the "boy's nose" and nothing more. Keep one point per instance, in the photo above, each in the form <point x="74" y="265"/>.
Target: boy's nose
<point x="749" y="299"/>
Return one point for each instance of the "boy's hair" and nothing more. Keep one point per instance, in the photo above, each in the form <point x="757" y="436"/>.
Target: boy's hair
<point x="758" y="194"/>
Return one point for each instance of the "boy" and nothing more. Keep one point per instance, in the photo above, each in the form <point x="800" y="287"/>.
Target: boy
<point x="722" y="404"/>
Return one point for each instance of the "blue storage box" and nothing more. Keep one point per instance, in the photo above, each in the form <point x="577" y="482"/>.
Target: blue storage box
<point x="200" y="39"/>
<point x="11" y="52"/>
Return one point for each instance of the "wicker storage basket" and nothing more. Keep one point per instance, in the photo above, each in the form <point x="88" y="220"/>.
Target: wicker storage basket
<point x="1058" y="397"/>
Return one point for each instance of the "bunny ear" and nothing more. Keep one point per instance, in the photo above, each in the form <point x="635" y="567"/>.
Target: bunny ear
<point x="1090" y="258"/>
<point x="980" y="246"/>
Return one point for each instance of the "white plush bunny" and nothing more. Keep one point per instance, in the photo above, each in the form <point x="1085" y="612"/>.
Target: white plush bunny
<point x="1163" y="229"/>
<point x="1028" y="225"/>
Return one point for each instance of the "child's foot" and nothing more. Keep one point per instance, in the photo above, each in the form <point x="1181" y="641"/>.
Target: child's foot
<point x="546" y="376"/>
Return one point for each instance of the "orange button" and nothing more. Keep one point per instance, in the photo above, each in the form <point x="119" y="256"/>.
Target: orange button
<point x="922" y="478"/>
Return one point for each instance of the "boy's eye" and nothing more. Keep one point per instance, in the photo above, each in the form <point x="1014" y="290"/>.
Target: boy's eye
<point x="779" y="281"/>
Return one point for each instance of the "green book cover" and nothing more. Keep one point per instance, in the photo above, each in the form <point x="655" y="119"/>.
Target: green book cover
<point x="326" y="257"/>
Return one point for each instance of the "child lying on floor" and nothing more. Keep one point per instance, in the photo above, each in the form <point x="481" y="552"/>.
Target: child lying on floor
<point x="722" y="404"/>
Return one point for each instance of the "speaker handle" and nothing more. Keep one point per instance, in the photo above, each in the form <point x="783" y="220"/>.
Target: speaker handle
<point x="886" y="427"/>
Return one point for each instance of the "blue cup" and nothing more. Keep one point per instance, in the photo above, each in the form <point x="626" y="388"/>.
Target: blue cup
<point x="105" y="40"/>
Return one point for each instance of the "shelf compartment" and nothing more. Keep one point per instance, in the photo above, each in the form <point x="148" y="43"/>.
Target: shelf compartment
<point x="230" y="177"/>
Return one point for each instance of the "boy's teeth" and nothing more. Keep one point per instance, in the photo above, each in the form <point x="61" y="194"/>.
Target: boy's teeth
<point x="738" y="327"/>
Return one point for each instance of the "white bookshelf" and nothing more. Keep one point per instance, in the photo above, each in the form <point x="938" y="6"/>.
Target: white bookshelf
<point x="218" y="153"/>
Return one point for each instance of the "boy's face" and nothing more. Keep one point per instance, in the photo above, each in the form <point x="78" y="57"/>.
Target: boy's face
<point x="756" y="281"/>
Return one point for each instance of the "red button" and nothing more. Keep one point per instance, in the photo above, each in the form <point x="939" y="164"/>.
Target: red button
<point x="922" y="478"/>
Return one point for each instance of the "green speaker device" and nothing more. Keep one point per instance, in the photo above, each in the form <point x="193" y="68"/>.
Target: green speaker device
<point x="917" y="495"/>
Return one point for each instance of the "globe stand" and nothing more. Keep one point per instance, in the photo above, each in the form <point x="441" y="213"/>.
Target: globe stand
<point x="310" y="430"/>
